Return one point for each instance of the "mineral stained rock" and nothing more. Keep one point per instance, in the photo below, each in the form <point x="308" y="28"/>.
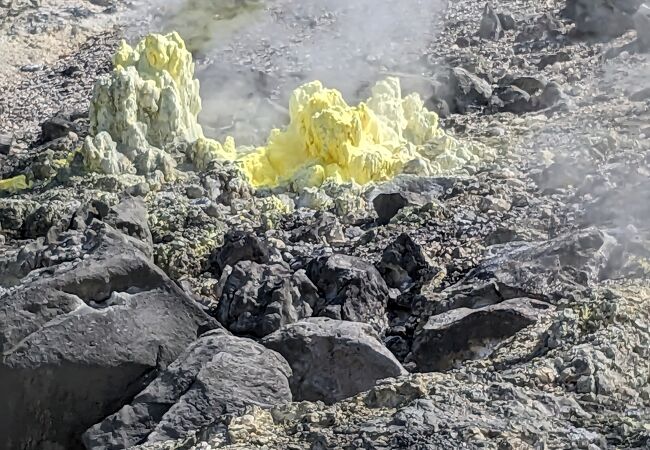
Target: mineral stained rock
<point x="151" y="100"/>
<point x="14" y="184"/>
<point x="217" y="374"/>
<point x="333" y="359"/>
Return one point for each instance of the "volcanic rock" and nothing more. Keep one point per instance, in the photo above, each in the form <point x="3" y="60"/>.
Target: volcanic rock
<point x="6" y="140"/>
<point x="404" y="264"/>
<point x="55" y="128"/>
<point x="257" y="299"/>
<point x="464" y="333"/>
<point x="351" y="289"/>
<point x="642" y="25"/>
<point x="606" y="18"/>
<point x="217" y="374"/>
<point x="469" y="91"/>
<point x="238" y="246"/>
<point x="490" y="24"/>
<point x="84" y="334"/>
<point x="332" y="359"/>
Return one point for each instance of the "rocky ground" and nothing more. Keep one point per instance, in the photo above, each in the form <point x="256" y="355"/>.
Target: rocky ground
<point x="503" y="306"/>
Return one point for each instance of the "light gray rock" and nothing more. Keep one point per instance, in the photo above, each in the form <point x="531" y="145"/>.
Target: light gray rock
<point x="84" y="332"/>
<point x="332" y="359"/>
<point x="218" y="374"/>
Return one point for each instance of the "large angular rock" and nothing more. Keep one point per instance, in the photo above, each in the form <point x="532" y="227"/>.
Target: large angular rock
<point x="605" y="18"/>
<point x="545" y="271"/>
<point x="332" y="359"/>
<point x="468" y="90"/>
<point x="352" y="289"/>
<point x="218" y="374"/>
<point x="490" y="27"/>
<point x="84" y="332"/>
<point x="642" y="25"/>
<point x="257" y="299"/>
<point x="238" y="246"/>
<point x="405" y="264"/>
<point x="465" y="333"/>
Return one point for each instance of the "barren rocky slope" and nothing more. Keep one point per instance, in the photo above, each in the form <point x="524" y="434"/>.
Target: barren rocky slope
<point x="502" y="306"/>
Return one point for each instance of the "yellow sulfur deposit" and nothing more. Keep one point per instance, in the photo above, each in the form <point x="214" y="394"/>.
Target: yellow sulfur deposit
<point x="328" y="139"/>
<point x="14" y="184"/>
<point x="151" y="101"/>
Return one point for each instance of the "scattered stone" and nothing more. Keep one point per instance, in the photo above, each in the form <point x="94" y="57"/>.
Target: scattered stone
<point x="6" y="140"/>
<point x="606" y="18"/>
<point x="469" y="91"/>
<point x="508" y="21"/>
<point x="405" y="264"/>
<point x="238" y="246"/>
<point x="55" y="128"/>
<point x="642" y="25"/>
<point x="332" y="359"/>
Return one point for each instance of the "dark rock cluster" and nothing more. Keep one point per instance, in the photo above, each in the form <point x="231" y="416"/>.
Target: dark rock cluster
<point x="504" y="305"/>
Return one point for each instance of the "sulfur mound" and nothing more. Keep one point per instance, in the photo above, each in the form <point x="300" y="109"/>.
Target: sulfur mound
<point x="374" y="141"/>
<point x="151" y="100"/>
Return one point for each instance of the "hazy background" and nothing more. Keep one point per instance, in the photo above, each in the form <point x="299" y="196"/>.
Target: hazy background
<point x="251" y="53"/>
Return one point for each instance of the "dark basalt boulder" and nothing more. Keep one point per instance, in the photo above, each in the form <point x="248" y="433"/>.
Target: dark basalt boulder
<point x="82" y="333"/>
<point x="332" y="359"/>
<point x="257" y="299"/>
<point x="464" y="333"/>
<point x="603" y="18"/>
<point x="351" y="289"/>
<point x="238" y="246"/>
<point x="218" y="374"/>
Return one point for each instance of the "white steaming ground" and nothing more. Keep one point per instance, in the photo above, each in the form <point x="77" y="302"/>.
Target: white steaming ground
<point x="253" y="53"/>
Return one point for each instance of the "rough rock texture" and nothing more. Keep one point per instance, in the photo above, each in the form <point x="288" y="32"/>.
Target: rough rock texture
<point x="332" y="359"/>
<point x="81" y="336"/>
<point x="351" y="289"/>
<point x="257" y="299"/>
<point x="602" y="17"/>
<point x="216" y="375"/>
<point x="461" y="334"/>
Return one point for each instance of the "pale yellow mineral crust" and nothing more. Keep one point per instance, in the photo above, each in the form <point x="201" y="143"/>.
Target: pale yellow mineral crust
<point x="151" y="100"/>
<point x="14" y="184"/>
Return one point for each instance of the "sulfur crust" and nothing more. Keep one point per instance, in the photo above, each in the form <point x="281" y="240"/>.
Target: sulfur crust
<point x="152" y="100"/>
<point x="14" y="184"/>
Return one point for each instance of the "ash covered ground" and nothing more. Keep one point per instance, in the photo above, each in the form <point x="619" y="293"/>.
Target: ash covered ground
<point x="501" y="305"/>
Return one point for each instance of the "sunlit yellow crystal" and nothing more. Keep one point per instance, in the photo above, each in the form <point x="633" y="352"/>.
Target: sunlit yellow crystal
<point x="152" y="100"/>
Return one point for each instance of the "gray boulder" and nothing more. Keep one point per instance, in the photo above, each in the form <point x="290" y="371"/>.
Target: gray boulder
<point x="642" y="25"/>
<point x="404" y="264"/>
<point x="464" y="333"/>
<point x="351" y="289"/>
<point x="469" y="91"/>
<point x="332" y="359"/>
<point x="82" y="333"/>
<point x="257" y="299"/>
<point x="218" y="374"/>
<point x="490" y="27"/>
<point x="604" y="18"/>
